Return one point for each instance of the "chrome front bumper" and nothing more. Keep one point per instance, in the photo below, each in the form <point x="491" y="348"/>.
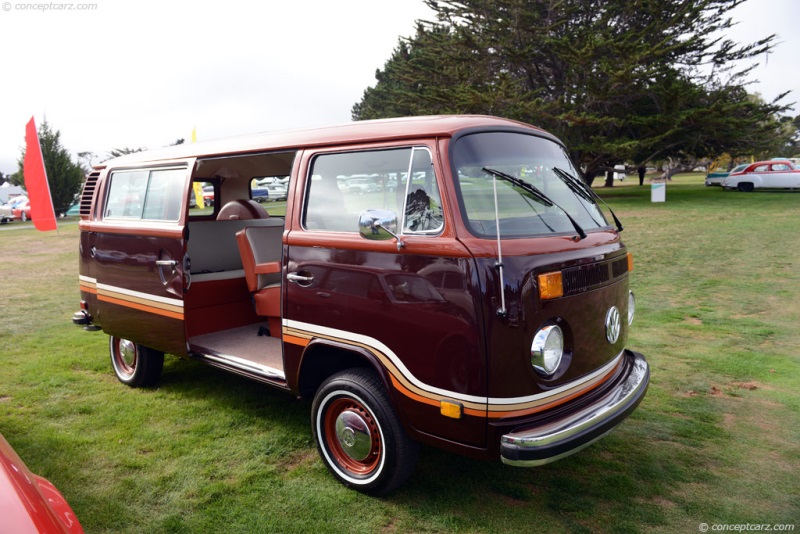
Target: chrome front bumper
<point x="540" y="445"/>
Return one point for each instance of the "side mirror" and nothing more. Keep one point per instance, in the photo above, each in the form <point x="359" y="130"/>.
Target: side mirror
<point x="379" y="225"/>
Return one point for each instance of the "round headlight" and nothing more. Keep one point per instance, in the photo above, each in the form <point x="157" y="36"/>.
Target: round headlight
<point x="547" y="349"/>
<point x="631" y="307"/>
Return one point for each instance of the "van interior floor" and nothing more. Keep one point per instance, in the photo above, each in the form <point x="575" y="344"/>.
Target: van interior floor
<point x="242" y="343"/>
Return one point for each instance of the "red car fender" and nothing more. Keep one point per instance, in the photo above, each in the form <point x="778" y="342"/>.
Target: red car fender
<point x="30" y="503"/>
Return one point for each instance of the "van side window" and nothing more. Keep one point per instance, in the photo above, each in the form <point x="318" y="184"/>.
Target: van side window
<point x="126" y="194"/>
<point x="155" y="195"/>
<point x="343" y="185"/>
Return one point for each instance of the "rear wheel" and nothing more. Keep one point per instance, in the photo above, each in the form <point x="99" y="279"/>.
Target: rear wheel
<point x="358" y="434"/>
<point x="135" y="365"/>
<point x="23" y="216"/>
<point x="745" y="187"/>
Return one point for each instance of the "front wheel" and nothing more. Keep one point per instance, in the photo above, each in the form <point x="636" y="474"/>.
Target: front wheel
<point x="358" y="434"/>
<point x="23" y="216"/>
<point x="135" y="365"/>
<point x="745" y="187"/>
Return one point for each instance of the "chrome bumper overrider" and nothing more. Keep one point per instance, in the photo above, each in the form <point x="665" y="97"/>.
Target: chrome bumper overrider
<point x="544" y="444"/>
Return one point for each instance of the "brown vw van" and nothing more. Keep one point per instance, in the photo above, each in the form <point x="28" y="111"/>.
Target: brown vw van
<point x="466" y="290"/>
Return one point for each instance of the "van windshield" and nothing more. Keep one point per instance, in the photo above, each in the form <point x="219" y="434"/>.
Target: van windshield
<point x="530" y="160"/>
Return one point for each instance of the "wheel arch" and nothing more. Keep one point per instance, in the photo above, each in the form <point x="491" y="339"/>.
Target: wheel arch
<point x="324" y="358"/>
<point x="747" y="185"/>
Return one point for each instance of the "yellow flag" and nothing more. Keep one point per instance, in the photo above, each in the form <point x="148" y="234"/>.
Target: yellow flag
<point x="198" y="194"/>
<point x="197" y="187"/>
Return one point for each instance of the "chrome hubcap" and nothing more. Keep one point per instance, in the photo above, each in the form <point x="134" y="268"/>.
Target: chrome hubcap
<point x="127" y="352"/>
<point x="353" y="435"/>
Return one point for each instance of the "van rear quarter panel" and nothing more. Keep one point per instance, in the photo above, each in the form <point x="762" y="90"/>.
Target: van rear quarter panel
<point x="87" y="276"/>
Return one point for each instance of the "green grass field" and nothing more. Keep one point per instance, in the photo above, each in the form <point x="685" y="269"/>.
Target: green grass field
<point x="716" y="440"/>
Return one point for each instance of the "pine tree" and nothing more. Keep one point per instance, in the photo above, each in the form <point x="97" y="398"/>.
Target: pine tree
<point x="617" y="80"/>
<point x="63" y="175"/>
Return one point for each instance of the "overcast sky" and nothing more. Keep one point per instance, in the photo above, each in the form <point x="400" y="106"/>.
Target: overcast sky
<point x="144" y="73"/>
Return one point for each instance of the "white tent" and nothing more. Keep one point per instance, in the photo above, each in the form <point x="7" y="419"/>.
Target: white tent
<point x="9" y="191"/>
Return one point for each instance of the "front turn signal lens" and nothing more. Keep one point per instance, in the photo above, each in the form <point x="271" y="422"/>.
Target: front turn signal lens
<point x="551" y="285"/>
<point x="450" y="409"/>
<point x="630" y="262"/>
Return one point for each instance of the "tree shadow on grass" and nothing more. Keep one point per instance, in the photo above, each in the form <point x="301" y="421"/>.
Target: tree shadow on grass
<point x="227" y="391"/>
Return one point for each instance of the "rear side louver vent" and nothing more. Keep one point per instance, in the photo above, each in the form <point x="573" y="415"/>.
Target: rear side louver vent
<point x="88" y="193"/>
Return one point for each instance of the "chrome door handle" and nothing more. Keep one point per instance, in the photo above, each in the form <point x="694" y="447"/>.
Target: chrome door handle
<point x="300" y="279"/>
<point x="161" y="264"/>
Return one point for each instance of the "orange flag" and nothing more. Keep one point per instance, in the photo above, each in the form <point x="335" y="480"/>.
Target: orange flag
<point x="42" y="213"/>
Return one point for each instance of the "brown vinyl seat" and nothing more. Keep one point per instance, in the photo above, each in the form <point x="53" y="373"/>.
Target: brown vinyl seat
<point x="261" y="249"/>
<point x="241" y="210"/>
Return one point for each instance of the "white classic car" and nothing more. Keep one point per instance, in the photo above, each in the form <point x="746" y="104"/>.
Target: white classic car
<point x="780" y="174"/>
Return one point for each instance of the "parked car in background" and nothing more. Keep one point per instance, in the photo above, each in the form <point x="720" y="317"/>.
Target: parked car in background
<point x="277" y="192"/>
<point x="5" y="212"/>
<point x="362" y="185"/>
<point x="794" y="161"/>
<point x="764" y="175"/>
<point x="14" y="202"/>
<point x="22" y="211"/>
<point x="260" y="194"/>
<point x="208" y="195"/>
<point x="29" y="502"/>
<point x="716" y="177"/>
<point x="74" y="210"/>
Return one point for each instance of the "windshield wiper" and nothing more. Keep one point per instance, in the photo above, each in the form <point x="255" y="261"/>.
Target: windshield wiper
<point x="582" y="189"/>
<point x="536" y="194"/>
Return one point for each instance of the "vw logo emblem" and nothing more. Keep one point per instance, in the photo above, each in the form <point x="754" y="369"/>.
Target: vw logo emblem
<point x="612" y="325"/>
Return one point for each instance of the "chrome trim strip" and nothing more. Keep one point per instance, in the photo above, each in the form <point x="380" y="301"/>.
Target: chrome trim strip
<point x="138" y="294"/>
<point x="245" y="365"/>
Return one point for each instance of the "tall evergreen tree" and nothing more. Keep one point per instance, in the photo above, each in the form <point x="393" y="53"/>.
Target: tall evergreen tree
<point x="63" y="175"/>
<point x="617" y="80"/>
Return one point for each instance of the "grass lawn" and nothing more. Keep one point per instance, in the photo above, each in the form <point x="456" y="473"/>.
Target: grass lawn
<point x="716" y="440"/>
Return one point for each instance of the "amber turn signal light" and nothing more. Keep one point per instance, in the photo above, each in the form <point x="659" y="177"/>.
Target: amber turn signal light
<point x="630" y="262"/>
<point x="551" y="285"/>
<point x="450" y="409"/>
